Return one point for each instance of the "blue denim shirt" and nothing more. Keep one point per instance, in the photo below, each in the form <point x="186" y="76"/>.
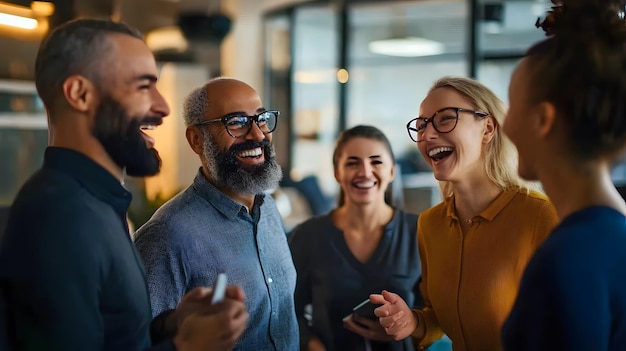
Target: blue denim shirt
<point x="202" y="232"/>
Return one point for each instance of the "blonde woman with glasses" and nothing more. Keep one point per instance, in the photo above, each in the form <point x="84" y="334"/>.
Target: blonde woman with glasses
<point x="474" y="245"/>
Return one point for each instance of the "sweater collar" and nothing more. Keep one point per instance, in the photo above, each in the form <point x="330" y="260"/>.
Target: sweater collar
<point x="93" y="177"/>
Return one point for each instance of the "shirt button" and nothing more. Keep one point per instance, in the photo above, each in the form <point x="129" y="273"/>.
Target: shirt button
<point x="269" y="280"/>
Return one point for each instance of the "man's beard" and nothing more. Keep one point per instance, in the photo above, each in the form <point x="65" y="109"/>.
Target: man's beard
<point x="225" y="170"/>
<point x="121" y="137"/>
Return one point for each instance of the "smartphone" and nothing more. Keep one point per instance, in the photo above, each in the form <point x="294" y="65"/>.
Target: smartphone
<point x="219" y="288"/>
<point x="365" y="309"/>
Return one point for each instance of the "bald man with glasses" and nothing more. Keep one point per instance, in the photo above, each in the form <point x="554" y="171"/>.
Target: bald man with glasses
<point x="225" y="221"/>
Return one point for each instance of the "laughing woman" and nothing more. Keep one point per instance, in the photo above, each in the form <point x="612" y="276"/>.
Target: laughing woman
<point x="361" y="247"/>
<point x="475" y="244"/>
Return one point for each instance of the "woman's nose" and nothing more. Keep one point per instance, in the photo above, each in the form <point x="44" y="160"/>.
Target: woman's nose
<point x="429" y="132"/>
<point x="365" y="169"/>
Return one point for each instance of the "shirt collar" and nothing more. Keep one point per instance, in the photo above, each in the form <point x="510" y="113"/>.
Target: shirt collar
<point x="93" y="177"/>
<point x="491" y="211"/>
<point x="222" y="202"/>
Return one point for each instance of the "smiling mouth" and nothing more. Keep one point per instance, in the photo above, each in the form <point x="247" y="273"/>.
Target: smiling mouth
<point x="150" y="123"/>
<point x="440" y="153"/>
<point x="250" y="153"/>
<point x="364" y="185"/>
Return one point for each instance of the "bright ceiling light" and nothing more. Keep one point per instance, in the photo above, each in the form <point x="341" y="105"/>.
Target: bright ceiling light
<point x="407" y="47"/>
<point x="18" y="21"/>
<point x="42" y="8"/>
<point x="33" y="18"/>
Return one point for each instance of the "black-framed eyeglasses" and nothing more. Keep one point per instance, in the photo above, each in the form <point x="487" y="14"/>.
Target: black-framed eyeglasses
<point x="239" y="126"/>
<point x="444" y="121"/>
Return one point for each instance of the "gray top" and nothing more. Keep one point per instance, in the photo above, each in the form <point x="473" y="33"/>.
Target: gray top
<point x="333" y="281"/>
<point x="202" y="232"/>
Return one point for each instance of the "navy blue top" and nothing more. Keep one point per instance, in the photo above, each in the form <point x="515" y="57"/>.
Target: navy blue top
<point x="334" y="281"/>
<point x="70" y="274"/>
<point x="573" y="292"/>
<point x="202" y="232"/>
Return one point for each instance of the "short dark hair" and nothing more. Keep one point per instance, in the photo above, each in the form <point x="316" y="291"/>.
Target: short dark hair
<point x="580" y="69"/>
<point x="75" y="47"/>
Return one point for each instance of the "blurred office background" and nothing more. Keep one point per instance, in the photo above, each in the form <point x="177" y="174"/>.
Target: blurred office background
<point x="326" y="65"/>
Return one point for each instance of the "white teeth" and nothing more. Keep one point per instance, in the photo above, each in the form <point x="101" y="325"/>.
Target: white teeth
<point x="250" y="153"/>
<point x="147" y="127"/>
<point x="438" y="150"/>
<point x="364" y="185"/>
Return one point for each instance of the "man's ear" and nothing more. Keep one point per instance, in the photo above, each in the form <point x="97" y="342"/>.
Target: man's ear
<point x="547" y="119"/>
<point x="80" y="93"/>
<point x="195" y="139"/>
<point x="490" y="129"/>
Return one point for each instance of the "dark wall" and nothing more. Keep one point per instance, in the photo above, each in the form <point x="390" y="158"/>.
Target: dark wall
<point x="4" y="215"/>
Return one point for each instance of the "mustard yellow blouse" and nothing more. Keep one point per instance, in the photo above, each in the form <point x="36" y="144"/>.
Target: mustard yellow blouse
<point x="469" y="282"/>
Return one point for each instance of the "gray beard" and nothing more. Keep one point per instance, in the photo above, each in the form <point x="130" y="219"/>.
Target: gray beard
<point x="224" y="170"/>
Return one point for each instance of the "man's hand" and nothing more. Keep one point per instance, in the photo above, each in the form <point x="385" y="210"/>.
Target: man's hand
<point x="198" y="300"/>
<point x="203" y="326"/>
<point x="394" y="315"/>
<point x="367" y="328"/>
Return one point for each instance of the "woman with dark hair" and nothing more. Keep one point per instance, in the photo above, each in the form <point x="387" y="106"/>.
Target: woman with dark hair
<point x="361" y="247"/>
<point x="567" y="118"/>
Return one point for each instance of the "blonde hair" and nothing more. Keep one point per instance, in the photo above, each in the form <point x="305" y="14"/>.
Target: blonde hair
<point x="501" y="155"/>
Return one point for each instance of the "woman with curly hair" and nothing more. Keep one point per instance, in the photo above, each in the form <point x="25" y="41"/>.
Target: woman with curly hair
<point x="567" y="118"/>
<point x="474" y="245"/>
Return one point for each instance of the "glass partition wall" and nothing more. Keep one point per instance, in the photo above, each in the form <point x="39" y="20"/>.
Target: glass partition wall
<point x="504" y="32"/>
<point x="372" y="62"/>
<point x="23" y="136"/>
<point x="315" y="93"/>
<point x="23" y="139"/>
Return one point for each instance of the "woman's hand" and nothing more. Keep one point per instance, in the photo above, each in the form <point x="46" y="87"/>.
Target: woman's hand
<point x="367" y="328"/>
<point x="394" y="315"/>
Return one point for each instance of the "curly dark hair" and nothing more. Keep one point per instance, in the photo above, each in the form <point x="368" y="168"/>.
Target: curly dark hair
<point x="581" y="69"/>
